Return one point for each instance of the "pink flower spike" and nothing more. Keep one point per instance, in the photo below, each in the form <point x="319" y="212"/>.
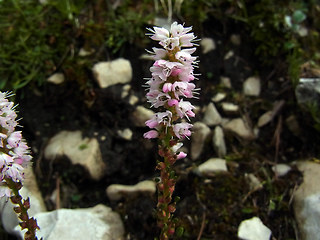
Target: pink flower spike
<point x="178" y="30"/>
<point x="167" y="87"/>
<point x="151" y="134"/>
<point x="181" y="130"/>
<point x="184" y="108"/>
<point x="152" y="123"/>
<point x="176" y="72"/>
<point x="159" y="53"/>
<point x="159" y="34"/>
<point x="172" y="102"/>
<point x="5" y="160"/>
<point x="14" y="139"/>
<point x="181" y="155"/>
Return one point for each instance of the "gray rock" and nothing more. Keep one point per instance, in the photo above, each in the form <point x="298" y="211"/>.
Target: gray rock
<point x="235" y="39"/>
<point x="253" y="229"/>
<point x="240" y="128"/>
<point x="228" y="107"/>
<point x="252" y="86"/>
<point x="212" y="166"/>
<point x="228" y="55"/>
<point x="218" y="142"/>
<point x="133" y="99"/>
<point x="99" y="223"/>
<point x="269" y="115"/>
<point x="83" y="151"/>
<point x="113" y="72"/>
<point x="265" y="118"/>
<point x="253" y="181"/>
<point x="207" y="45"/>
<point x="226" y="82"/>
<point x="125" y="90"/>
<point x="83" y="52"/>
<point x="56" y="78"/>
<point x="281" y="169"/>
<point x="125" y="134"/>
<point x="211" y="115"/>
<point x="116" y="191"/>
<point x="200" y="133"/>
<point x="306" y="201"/>
<point x="218" y="97"/>
<point x="141" y="115"/>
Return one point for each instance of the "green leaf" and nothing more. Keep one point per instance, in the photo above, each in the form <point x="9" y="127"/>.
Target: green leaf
<point x="247" y="210"/>
<point x="289" y="45"/>
<point x="298" y="16"/>
<point x="179" y="231"/>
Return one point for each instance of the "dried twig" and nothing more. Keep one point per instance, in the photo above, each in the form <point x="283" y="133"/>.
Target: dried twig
<point x="202" y="225"/>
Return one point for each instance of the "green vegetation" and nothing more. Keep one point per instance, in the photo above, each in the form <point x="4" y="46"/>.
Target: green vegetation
<point x="40" y="39"/>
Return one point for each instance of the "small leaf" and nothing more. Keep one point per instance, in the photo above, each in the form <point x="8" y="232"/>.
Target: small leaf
<point x="289" y="45"/>
<point x="298" y="16"/>
<point x="179" y="231"/>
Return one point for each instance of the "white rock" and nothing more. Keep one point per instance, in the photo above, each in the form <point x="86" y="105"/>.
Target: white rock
<point x="306" y="201"/>
<point x="228" y="107"/>
<point x="240" y="128"/>
<point x="253" y="229"/>
<point x="99" y="223"/>
<point x="252" y="86"/>
<point x="200" y="133"/>
<point x="117" y="191"/>
<point x="265" y="118"/>
<point x="30" y="189"/>
<point x="207" y="45"/>
<point x="133" y="99"/>
<point x="226" y="82"/>
<point x="219" y="97"/>
<point x="253" y="181"/>
<point x="125" y="134"/>
<point x="211" y="115"/>
<point x="84" y="53"/>
<point x="83" y="151"/>
<point x="235" y="39"/>
<point x="219" y="144"/>
<point x="229" y="55"/>
<point x="281" y="169"/>
<point x="212" y="166"/>
<point x="141" y="115"/>
<point x="56" y="78"/>
<point x="303" y="31"/>
<point x="125" y="90"/>
<point x="113" y="72"/>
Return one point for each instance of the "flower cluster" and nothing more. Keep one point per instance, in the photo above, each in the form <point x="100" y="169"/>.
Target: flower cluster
<point x="14" y="154"/>
<point x="171" y="81"/>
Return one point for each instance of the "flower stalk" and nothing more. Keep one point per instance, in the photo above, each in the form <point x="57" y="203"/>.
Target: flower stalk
<point x="14" y="158"/>
<point x="22" y="210"/>
<point x="171" y="83"/>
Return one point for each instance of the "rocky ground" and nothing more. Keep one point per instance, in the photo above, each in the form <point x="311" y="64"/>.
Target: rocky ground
<point x="248" y="134"/>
